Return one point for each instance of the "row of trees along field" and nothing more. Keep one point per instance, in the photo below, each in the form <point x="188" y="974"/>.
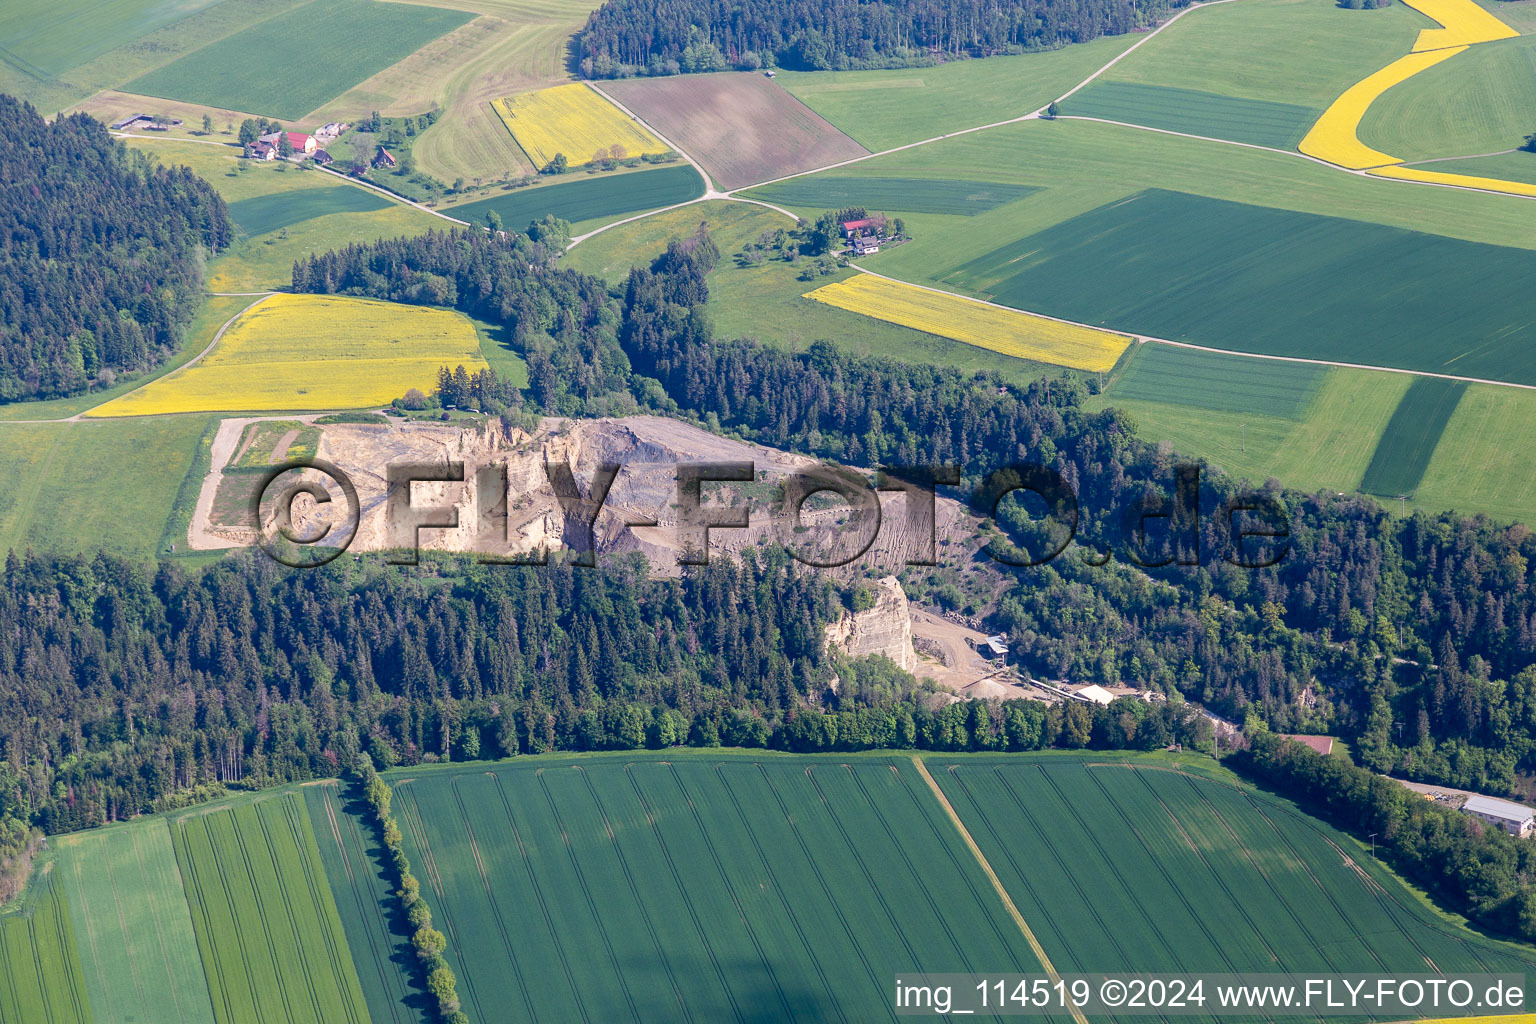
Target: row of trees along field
<point x="101" y="260"/>
<point x="430" y="944"/>
<point x="642" y="37"/>
<point x="1414" y="637"/>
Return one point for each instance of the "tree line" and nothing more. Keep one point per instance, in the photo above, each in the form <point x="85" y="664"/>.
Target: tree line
<point x="623" y="38"/>
<point x="429" y="943"/>
<point x="101" y="260"/>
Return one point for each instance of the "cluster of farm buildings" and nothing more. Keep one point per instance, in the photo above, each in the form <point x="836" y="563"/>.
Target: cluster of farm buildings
<point x="865" y="235"/>
<point x="300" y="144"/>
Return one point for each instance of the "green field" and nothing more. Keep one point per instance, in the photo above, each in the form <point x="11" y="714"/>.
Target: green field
<point x="48" y="37"/>
<point x="365" y="902"/>
<point x="1122" y="864"/>
<point x="40" y="979"/>
<point x="346" y="40"/>
<point x="1407" y="445"/>
<point x="1328" y="449"/>
<point x="266" y="922"/>
<point x="55" y="499"/>
<point x="1481" y="463"/>
<point x="1256" y="122"/>
<point x="1082" y="165"/>
<point x="1212" y="380"/>
<point x="881" y="109"/>
<point x="903" y="195"/>
<point x="697" y="889"/>
<point x="1299" y="52"/>
<point x="767" y="302"/>
<point x="132" y="926"/>
<point x="588" y="198"/>
<point x="1479" y="101"/>
<point x="1256" y="279"/>
<point x="261" y="214"/>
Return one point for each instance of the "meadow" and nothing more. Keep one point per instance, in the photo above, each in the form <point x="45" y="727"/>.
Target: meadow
<point x="741" y="127"/>
<point x="133" y="929"/>
<point x="573" y="120"/>
<point x="588" y="198"/>
<point x="1407" y="445"/>
<point x="951" y="316"/>
<point x="1293" y="52"/>
<point x="1214" y="380"/>
<point x="1129" y="864"/>
<point x="882" y="109"/>
<point x="1479" y="102"/>
<point x="305" y="352"/>
<point x="593" y="888"/>
<point x="1328" y="448"/>
<point x="40" y="979"/>
<point x="1256" y="122"/>
<point x="266" y="923"/>
<point x="1374" y="295"/>
<point x="56" y="500"/>
<point x="260" y="215"/>
<point x="241" y="71"/>
<point x="955" y="196"/>
<point x="1504" y="167"/>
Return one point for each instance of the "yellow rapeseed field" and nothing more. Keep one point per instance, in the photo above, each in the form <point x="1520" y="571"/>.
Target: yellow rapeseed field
<point x="1465" y="23"/>
<point x="306" y="352"/>
<point x="950" y="316"/>
<point x="1514" y="188"/>
<point x="1333" y="137"/>
<point x="574" y="120"/>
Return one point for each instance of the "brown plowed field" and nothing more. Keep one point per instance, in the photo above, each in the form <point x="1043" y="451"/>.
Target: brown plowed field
<point x="742" y="127"/>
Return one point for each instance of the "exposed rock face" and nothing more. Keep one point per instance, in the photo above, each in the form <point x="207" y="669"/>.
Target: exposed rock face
<point x="529" y="517"/>
<point x="884" y="629"/>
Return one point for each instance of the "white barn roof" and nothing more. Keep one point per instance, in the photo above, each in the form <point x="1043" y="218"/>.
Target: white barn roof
<point x="1497" y="808"/>
<point x="1095" y="693"/>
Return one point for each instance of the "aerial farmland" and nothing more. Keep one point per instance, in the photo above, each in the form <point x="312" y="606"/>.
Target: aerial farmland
<point x="587" y="510"/>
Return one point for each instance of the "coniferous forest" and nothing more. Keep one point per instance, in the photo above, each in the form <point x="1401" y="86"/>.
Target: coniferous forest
<point x="629" y="37"/>
<point x="101" y="259"/>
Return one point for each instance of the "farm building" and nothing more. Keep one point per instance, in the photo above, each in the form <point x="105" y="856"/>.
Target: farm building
<point x="323" y="158"/>
<point x="866" y="245"/>
<point x="864" y="225"/>
<point x="1516" y="819"/>
<point x="301" y="143"/>
<point x="261" y="151"/>
<point x="384" y="158"/>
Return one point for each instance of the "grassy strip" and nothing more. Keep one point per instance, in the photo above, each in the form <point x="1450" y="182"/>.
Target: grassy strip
<point x="179" y="522"/>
